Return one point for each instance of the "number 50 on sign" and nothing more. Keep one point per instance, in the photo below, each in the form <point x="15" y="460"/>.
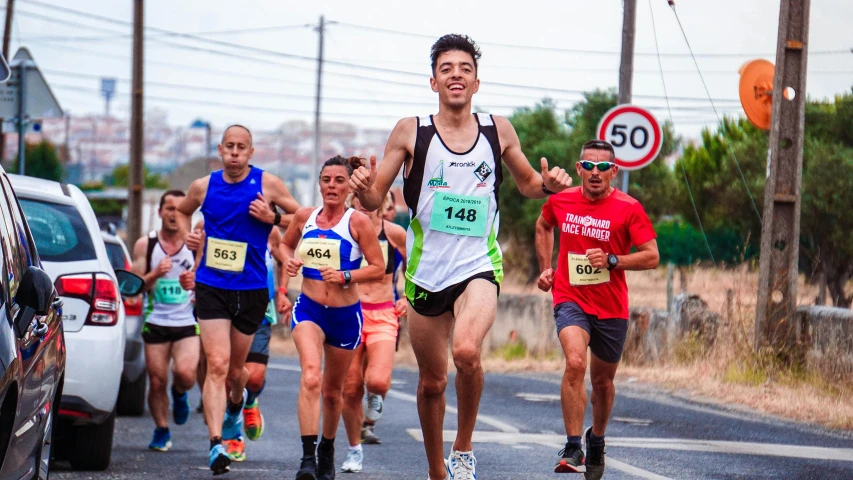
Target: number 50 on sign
<point x="635" y="134"/>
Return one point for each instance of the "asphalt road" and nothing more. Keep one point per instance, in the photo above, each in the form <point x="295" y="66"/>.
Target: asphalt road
<point x="652" y="436"/>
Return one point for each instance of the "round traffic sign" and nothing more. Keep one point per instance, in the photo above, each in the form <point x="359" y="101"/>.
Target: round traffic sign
<point x="635" y="134"/>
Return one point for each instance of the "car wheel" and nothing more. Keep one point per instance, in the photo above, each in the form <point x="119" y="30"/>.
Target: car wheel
<point x="131" y="397"/>
<point x="93" y="445"/>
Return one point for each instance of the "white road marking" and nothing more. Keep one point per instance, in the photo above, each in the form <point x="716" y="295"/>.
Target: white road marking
<point x="539" y="397"/>
<point x="633" y="421"/>
<point x="289" y="368"/>
<point x="491" y="421"/>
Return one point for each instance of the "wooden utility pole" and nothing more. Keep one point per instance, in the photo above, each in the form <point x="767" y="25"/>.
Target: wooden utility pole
<point x="776" y="310"/>
<point x="137" y="131"/>
<point x="7" y="38"/>
<point x="315" y="167"/>
<point x="626" y="67"/>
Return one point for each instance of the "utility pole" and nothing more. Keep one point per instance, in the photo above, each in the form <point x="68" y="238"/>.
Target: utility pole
<point x="776" y="309"/>
<point x="137" y="131"/>
<point x="315" y="172"/>
<point x="22" y="114"/>
<point x="67" y="157"/>
<point x="626" y="66"/>
<point x="7" y="37"/>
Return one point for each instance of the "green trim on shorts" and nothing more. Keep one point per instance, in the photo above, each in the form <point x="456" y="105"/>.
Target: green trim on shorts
<point x="416" y="253"/>
<point x="495" y="255"/>
<point x="410" y="291"/>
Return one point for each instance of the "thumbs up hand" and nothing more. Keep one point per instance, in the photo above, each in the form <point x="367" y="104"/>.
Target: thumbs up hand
<point x="556" y="179"/>
<point x="362" y="179"/>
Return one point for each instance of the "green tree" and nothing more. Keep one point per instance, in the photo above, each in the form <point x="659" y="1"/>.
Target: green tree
<point x="121" y="178"/>
<point x="41" y="160"/>
<point x="542" y="134"/>
<point x="717" y="187"/>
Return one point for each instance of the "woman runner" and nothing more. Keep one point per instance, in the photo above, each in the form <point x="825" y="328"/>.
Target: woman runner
<point x="326" y="319"/>
<point x="374" y="359"/>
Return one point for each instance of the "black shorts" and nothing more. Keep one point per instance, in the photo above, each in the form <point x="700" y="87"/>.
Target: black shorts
<point x="433" y="304"/>
<point x="245" y="308"/>
<point x="152" y="333"/>
<point x="606" y="336"/>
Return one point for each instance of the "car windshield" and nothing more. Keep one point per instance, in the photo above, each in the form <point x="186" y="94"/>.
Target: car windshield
<point x="116" y="254"/>
<point x="59" y="231"/>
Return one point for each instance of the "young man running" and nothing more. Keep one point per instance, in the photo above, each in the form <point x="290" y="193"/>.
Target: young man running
<point x="170" y="331"/>
<point x="231" y="281"/>
<point x="452" y="175"/>
<point x="598" y="225"/>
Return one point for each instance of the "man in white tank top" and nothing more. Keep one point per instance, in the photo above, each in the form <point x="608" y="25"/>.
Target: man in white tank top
<point x="170" y="331"/>
<point x="452" y="175"/>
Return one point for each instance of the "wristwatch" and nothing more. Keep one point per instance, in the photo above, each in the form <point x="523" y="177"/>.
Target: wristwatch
<point x="612" y="261"/>
<point x="545" y="189"/>
<point x="347" y="277"/>
<point x="276" y="219"/>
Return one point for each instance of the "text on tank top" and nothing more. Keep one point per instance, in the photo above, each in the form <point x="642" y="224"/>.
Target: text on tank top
<point x="453" y="203"/>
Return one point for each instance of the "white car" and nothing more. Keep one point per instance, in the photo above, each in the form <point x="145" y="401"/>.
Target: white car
<point x="131" y="393"/>
<point x="72" y="252"/>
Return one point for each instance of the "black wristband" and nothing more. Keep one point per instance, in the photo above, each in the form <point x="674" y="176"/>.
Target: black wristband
<point x="545" y="189"/>
<point x="277" y="219"/>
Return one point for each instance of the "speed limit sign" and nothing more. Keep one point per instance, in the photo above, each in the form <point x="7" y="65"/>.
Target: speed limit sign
<point x="635" y="134"/>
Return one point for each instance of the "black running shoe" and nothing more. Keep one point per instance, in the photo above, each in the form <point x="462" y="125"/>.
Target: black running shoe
<point x="571" y="460"/>
<point x="594" y="458"/>
<point x="326" y="462"/>
<point x="307" y="469"/>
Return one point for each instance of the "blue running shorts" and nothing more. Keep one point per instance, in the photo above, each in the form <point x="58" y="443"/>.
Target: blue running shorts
<point x="341" y="325"/>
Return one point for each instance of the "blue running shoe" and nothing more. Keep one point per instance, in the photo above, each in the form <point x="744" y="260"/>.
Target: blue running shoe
<point x="232" y="425"/>
<point x="180" y="407"/>
<point x="219" y="460"/>
<point x="162" y="440"/>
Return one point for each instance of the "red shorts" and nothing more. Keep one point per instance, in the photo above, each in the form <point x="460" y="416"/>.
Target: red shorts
<point x="380" y="322"/>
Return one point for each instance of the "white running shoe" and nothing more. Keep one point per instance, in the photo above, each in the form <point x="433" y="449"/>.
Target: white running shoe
<point x="461" y="466"/>
<point x="352" y="464"/>
<point x="374" y="407"/>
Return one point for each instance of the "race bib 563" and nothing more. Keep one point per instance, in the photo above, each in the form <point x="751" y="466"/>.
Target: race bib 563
<point x="225" y="254"/>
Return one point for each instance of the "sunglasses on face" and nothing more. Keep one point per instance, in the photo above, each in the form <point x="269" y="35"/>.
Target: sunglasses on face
<point x="602" y="166"/>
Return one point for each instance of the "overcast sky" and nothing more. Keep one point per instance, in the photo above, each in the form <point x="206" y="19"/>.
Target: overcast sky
<point x="224" y="84"/>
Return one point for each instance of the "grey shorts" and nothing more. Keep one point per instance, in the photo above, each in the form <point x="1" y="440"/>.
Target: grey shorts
<point x="260" y="349"/>
<point x="606" y="336"/>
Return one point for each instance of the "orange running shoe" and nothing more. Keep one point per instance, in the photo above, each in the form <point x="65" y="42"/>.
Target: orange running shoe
<point x="253" y="421"/>
<point x="235" y="448"/>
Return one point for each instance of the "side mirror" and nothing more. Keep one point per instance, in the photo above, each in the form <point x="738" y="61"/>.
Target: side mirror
<point x="129" y="284"/>
<point x="34" y="297"/>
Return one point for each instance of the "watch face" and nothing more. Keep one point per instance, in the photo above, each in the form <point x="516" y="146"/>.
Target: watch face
<point x="612" y="260"/>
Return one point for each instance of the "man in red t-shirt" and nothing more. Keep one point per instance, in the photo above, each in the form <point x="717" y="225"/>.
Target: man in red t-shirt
<point x="598" y="225"/>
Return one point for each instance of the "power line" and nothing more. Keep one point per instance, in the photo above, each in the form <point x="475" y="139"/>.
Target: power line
<point x="312" y="59"/>
<point x="267" y="94"/>
<point x="100" y="38"/>
<point x="731" y="149"/>
<point x="581" y="51"/>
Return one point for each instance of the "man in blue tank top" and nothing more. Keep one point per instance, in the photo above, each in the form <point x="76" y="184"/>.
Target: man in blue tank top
<point x="231" y="278"/>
